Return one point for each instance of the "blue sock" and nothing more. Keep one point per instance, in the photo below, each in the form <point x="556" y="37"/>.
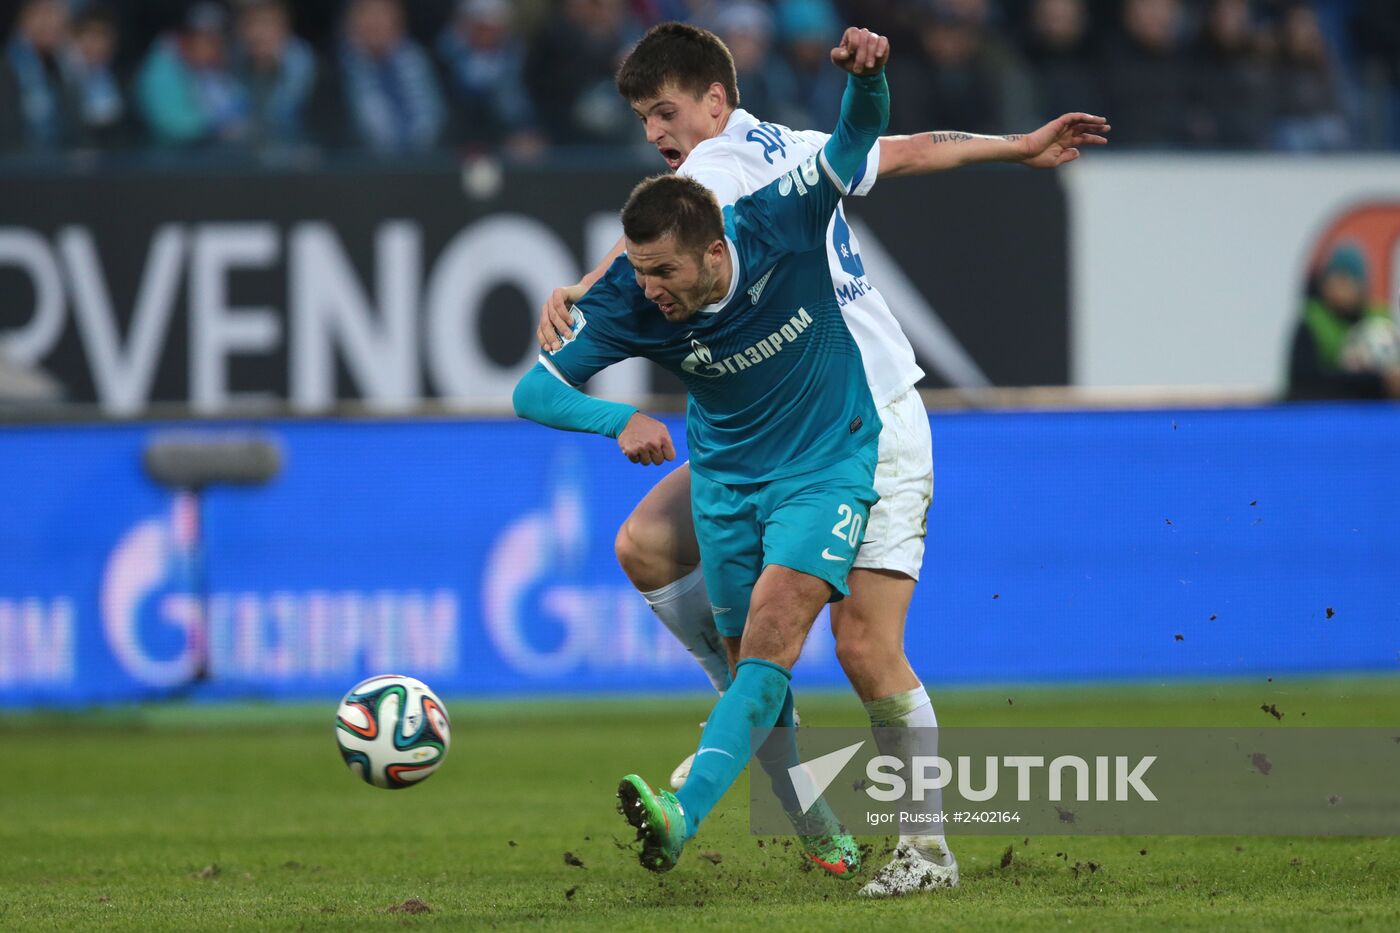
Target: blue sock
<point x="753" y="701"/>
<point x="779" y="753"/>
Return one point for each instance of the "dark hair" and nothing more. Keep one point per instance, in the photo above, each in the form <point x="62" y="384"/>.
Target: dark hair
<point x="676" y="53"/>
<point x="250" y="6"/>
<point x="95" y="15"/>
<point x="673" y="204"/>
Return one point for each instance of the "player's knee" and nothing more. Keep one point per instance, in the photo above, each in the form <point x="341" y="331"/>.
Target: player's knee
<point x="853" y="656"/>
<point x="641" y="552"/>
<point x="862" y="651"/>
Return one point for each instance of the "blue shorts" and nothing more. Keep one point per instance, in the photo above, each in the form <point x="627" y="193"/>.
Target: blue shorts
<point x="812" y="523"/>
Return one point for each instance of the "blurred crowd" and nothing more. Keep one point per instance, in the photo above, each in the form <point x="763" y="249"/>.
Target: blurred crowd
<point x="528" y="76"/>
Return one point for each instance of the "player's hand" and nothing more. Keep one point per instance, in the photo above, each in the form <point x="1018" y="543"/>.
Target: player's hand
<point x="1058" y="142"/>
<point x="861" y="52"/>
<point x="556" y="321"/>
<point x="646" y="441"/>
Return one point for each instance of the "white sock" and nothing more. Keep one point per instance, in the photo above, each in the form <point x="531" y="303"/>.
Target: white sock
<point x="891" y="715"/>
<point x="683" y="606"/>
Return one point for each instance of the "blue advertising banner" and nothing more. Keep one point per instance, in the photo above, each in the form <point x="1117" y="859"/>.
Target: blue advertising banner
<point x="477" y="555"/>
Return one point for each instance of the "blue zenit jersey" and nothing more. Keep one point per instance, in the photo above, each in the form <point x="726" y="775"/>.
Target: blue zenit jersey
<point x="776" y="382"/>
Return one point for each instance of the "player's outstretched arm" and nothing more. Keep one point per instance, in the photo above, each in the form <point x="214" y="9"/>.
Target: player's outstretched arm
<point x="1056" y="143"/>
<point x="865" y="106"/>
<point x="787" y="224"/>
<point x="544" y="398"/>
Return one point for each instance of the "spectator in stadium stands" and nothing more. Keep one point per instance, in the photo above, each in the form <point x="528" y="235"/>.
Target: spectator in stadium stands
<point x="57" y="86"/>
<point x="185" y="90"/>
<point x="34" y="103"/>
<point x="88" y="60"/>
<point x="484" y="63"/>
<point x="277" y="68"/>
<point x="1148" y="76"/>
<point x="1344" y="348"/>
<point x="1062" y="60"/>
<point x="963" y="75"/>
<point x="898" y="20"/>
<point x="1311" y="115"/>
<point x="766" y="84"/>
<point x="569" y="72"/>
<point x="805" y="29"/>
<point x="1375" y="34"/>
<point x="388" y="85"/>
<point x="1233" y="96"/>
<point x="697" y="12"/>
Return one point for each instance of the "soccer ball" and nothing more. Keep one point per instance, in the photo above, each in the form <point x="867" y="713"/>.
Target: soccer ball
<point x="392" y="731"/>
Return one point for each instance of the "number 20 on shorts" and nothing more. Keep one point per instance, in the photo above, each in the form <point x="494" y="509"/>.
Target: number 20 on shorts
<point x="848" y="526"/>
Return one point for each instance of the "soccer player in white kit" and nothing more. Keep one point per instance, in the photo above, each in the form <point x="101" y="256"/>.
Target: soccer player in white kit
<point x="680" y="81"/>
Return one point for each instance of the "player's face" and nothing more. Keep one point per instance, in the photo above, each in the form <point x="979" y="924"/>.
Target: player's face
<point x="678" y="280"/>
<point x="677" y="121"/>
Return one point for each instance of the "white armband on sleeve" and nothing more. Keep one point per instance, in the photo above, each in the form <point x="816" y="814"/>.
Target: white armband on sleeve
<point x="864" y="181"/>
<point x="865" y="178"/>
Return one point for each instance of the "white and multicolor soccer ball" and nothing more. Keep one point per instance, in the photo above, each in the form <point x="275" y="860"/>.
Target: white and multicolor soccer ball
<point x="392" y="730"/>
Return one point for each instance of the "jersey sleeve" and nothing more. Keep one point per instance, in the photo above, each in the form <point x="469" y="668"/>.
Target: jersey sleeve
<point x="865" y="177"/>
<point x="788" y="215"/>
<point x="596" y="342"/>
<point x="540" y="397"/>
<point x="791" y="214"/>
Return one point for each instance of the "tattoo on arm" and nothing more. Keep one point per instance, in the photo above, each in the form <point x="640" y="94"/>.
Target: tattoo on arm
<point x="955" y="137"/>
<point x="950" y="137"/>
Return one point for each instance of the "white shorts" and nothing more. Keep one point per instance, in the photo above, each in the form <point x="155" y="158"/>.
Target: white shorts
<point x="894" y="536"/>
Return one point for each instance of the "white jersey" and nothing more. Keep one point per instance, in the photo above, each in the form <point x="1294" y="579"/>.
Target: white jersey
<point x="748" y="155"/>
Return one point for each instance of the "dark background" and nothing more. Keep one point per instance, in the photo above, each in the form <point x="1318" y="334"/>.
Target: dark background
<point x="962" y="239"/>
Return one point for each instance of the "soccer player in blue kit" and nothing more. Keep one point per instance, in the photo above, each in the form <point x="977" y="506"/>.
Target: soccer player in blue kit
<point x="782" y="427"/>
<point x="680" y="81"/>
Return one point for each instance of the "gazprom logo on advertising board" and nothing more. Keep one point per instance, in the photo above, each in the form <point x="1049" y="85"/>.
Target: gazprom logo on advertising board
<point x="163" y="631"/>
<point x="36" y="641"/>
<point x="543" y="624"/>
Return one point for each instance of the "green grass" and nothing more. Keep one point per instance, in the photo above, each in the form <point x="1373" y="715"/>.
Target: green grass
<point x="113" y="820"/>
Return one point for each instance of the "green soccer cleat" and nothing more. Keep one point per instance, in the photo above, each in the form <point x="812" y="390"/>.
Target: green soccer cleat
<point x="825" y="841"/>
<point x="659" y="820"/>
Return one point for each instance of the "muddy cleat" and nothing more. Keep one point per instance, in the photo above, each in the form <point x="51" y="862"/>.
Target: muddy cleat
<point x="659" y="820"/>
<point x="825" y="841"/>
<point x="913" y="870"/>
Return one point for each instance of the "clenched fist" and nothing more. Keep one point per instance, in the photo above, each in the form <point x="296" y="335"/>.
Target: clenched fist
<point x="861" y="52"/>
<point x="646" y="441"/>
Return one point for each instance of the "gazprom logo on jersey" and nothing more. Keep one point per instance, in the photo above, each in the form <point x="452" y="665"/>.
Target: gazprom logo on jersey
<point x="700" y="361"/>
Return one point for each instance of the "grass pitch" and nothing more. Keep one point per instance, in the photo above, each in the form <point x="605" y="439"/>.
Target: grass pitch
<point x="207" y="817"/>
